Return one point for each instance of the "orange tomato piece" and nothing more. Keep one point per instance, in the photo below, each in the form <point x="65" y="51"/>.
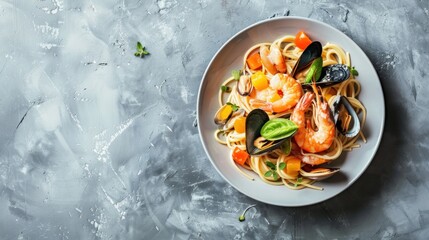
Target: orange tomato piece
<point x="240" y="125"/>
<point x="239" y="156"/>
<point x="302" y="40"/>
<point x="259" y="80"/>
<point x="254" y="61"/>
<point x="293" y="165"/>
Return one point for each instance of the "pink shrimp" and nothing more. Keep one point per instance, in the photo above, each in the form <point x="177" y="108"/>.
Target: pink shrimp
<point x="306" y="137"/>
<point x="272" y="59"/>
<point x="308" y="159"/>
<point x="284" y="92"/>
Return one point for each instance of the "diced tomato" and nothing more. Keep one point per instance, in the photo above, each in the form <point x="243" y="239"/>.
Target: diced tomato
<point x="254" y="61"/>
<point x="259" y="80"/>
<point x="293" y="165"/>
<point x="302" y="40"/>
<point x="240" y="125"/>
<point x="239" y="156"/>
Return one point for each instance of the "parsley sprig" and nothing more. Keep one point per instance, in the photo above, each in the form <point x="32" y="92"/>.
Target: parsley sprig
<point x="298" y="181"/>
<point x="225" y="88"/>
<point x="242" y="218"/>
<point x="273" y="171"/>
<point x="236" y="74"/>
<point x="353" y="71"/>
<point x="234" y="107"/>
<point x="141" y="51"/>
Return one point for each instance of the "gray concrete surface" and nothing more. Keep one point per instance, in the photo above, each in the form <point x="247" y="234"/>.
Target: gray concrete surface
<point x="99" y="144"/>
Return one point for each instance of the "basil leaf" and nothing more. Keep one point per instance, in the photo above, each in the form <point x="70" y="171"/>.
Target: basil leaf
<point x="278" y="128"/>
<point x="315" y="70"/>
<point x="282" y="165"/>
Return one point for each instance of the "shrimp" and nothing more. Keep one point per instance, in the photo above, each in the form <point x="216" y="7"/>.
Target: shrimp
<point x="308" y="159"/>
<point x="272" y="59"/>
<point x="282" y="94"/>
<point x="306" y="137"/>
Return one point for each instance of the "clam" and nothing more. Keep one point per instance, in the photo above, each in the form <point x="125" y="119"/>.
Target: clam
<point x="336" y="108"/>
<point x="223" y="114"/>
<point x="319" y="173"/>
<point x="244" y="85"/>
<point x="255" y="143"/>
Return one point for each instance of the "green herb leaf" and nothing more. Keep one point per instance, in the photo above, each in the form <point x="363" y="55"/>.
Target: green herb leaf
<point x="242" y="218"/>
<point x="236" y="74"/>
<point x="270" y="165"/>
<point x="282" y="165"/>
<point x="315" y="70"/>
<point x="275" y="176"/>
<point x="298" y="180"/>
<point x="139" y="46"/>
<point x="141" y="51"/>
<point x="234" y="107"/>
<point x="268" y="173"/>
<point x="278" y="128"/>
<point x="354" y="72"/>
<point x="225" y="88"/>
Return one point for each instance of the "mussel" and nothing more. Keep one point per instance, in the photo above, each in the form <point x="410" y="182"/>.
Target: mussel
<point x="337" y="103"/>
<point x="226" y="116"/>
<point x="223" y="114"/>
<point x="235" y="115"/>
<point x="313" y="51"/>
<point x="327" y="76"/>
<point x="255" y="144"/>
<point x="319" y="173"/>
<point x="244" y="85"/>
<point x="331" y="75"/>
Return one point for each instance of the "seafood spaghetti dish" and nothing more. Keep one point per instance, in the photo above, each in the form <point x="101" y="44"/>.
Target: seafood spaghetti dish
<point x="290" y="110"/>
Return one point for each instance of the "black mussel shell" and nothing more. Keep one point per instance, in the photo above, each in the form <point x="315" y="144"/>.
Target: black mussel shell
<point x="255" y="120"/>
<point x="313" y="51"/>
<point x="331" y="75"/>
<point x="342" y="101"/>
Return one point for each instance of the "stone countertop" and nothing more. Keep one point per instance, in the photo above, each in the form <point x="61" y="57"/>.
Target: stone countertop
<point x="99" y="144"/>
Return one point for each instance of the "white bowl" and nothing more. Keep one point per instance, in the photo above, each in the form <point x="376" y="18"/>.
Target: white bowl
<point x="229" y="57"/>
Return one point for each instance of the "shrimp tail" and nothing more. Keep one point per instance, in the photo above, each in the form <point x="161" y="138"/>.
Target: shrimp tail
<point x="257" y="103"/>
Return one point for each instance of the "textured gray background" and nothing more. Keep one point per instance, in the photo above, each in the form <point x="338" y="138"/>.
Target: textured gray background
<point x="109" y="148"/>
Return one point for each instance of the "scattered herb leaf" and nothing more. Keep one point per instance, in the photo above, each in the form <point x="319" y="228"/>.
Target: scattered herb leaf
<point x="268" y="173"/>
<point x="282" y="165"/>
<point x="141" y="51"/>
<point x="241" y="218"/>
<point x="234" y="107"/>
<point x="270" y="165"/>
<point x="225" y="88"/>
<point x="353" y="71"/>
<point x="275" y="176"/>
<point x="236" y="74"/>
<point x="298" y="181"/>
